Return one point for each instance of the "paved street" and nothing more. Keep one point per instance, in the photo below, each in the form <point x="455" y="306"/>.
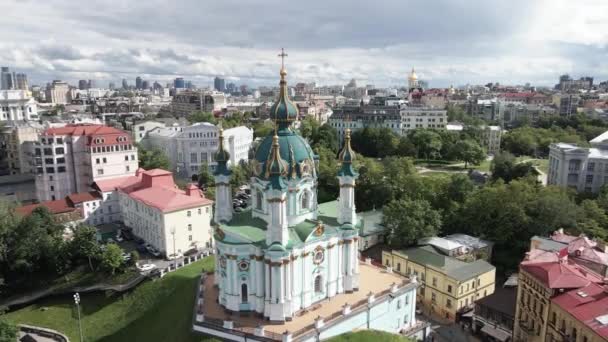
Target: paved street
<point x="448" y="332"/>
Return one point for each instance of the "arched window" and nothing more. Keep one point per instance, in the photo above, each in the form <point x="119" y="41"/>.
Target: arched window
<point x="305" y="200"/>
<point x="259" y="197"/>
<point x="244" y="294"/>
<point x="318" y="284"/>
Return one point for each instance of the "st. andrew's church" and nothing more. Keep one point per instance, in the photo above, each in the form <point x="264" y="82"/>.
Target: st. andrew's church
<point x="288" y="268"/>
<point x="288" y="251"/>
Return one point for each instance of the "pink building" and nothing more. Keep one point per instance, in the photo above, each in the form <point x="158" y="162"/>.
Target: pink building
<point x="69" y="159"/>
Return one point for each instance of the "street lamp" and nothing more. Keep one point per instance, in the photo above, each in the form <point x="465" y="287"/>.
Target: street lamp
<point x="174" y="255"/>
<point x="77" y="301"/>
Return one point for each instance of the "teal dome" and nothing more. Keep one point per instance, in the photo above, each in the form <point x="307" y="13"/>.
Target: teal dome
<point x="293" y="149"/>
<point x="283" y="111"/>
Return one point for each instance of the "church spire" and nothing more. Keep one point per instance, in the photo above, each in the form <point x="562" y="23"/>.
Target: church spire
<point x="276" y="167"/>
<point x="222" y="156"/>
<point x="283" y="110"/>
<point x="346" y="157"/>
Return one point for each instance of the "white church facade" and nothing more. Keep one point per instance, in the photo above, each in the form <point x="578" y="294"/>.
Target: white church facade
<point x="288" y="260"/>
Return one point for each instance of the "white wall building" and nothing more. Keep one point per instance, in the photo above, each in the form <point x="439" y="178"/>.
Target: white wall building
<point x="17" y="105"/>
<point x="400" y="120"/>
<point x="69" y="159"/>
<point x="170" y="219"/>
<point x="190" y="147"/>
<point x="58" y="92"/>
<point x="585" y="169"/>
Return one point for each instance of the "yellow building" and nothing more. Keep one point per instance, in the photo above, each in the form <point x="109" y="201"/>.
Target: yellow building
<point x="449" y="285"/>
<point x="558" y="300"/>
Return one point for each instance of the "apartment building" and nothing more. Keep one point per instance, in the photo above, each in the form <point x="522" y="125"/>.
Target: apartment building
<point x="451" y="285"/>
<point x="400" y="119"/>
<point x="187" y="102"/>
<point x="170" y="219"/>
<point x="17" y="105"/>
<point x="69" y="159"/>
<point x="58" y="92"/>
<point x="16" y="146"/>
<point x="563" y="291"/>
<point x="190" y="147"/>
<point x="582" y="168"/>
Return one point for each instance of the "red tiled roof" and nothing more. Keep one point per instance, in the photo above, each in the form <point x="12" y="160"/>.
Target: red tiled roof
<point x="110" y="135"/>
<point x="517" y="95"/>
<point x="157" y="189"/>
<point x="55" y="207"/>
<point x="558" y="275"/>
<point x="586" y="308"/>
<point x="84" y="197"/>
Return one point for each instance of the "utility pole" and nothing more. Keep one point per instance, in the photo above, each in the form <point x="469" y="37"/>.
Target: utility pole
<point x="174" y="254"/>
<point x="77" y="301"/>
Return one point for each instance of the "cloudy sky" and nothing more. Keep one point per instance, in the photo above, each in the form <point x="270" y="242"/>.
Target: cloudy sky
<point x="329" y="41"/>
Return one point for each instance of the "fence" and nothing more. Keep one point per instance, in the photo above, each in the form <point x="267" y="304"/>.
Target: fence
<point x="43" y="332"/>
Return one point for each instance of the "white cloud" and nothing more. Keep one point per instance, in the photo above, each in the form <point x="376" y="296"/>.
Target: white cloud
<point x="448" y="41"/>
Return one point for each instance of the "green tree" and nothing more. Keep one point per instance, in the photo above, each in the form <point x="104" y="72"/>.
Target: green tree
<point x="84" y="243"/>
<point x="8" y="331"/>
<point x="407" y="221"/>
<point x="111" y="258"/>
<point x="327" y="175"/>
<point x="152" y="159"/>
<point x="205" y="178"/>
<point x="202" y="117"/>
<point x="469" y="151"/>
<point x="262" y="129"/>
<point x="239" y="175"/>
<point x="428" y="143"/>
<point x="134" y="258"/>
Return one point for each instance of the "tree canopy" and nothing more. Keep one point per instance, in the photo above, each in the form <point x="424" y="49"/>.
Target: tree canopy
<point x="152" y="159"/>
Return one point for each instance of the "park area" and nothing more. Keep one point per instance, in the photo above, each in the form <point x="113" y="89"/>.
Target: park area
<point x="158" y="310"/>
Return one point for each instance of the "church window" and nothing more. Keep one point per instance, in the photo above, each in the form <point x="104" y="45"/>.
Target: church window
<point x="305" y="200"/>
<point x="259" y="197"/>
<point x="318" y="284"/>
<point x="244" y="295"/>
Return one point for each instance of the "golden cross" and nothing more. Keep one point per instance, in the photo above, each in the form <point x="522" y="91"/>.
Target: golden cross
<point x="282" y="55"/>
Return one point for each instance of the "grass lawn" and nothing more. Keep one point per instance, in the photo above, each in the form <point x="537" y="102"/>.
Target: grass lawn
<point x="368" y="335"/>
<point x="436" y="174"/>
<point x="159" y="310"/>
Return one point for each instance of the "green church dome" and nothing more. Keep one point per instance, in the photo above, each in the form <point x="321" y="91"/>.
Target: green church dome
<point x="293" y="149"/>
<point x="283" y="111"/>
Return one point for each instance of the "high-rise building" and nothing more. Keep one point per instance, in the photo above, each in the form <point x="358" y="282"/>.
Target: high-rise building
<point x="111" y="86"/>
<point x="83" y="84"/>
<point x="6" y="79"/>
<point x="69" y="159"/>
<point x="179" y="83"/>
<point x="231" y="88"/>
<point x="138" y="82"/>
<point x="157" y="85"/>
<point x="125" y="85"/>
<point x="189" y="85"/>
<point x="21" y="81"/>
<point x="219" y="84"/>
<point x="91" y="84"/>
<point x="145" y="84"/>
<point x="244" y="89"/>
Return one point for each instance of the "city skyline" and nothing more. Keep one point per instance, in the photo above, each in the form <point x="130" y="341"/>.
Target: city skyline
<point x="328" y="43"/>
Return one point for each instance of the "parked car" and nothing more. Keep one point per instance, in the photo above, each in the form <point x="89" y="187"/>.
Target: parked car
<point x="127" y="234"/>
<point x="126" y="256"/>
<point x="119" y="238"/>
<point x="155" y="252"/>
<point x="174" y="256"/>
<point x="139" y="240"/>
<point x="142" y="248"/>
<point x="191" y="252"/>
<point x="146" y="267"/>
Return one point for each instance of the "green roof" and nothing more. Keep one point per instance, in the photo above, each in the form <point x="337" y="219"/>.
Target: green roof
<point x="243" y="228"/>
<point x="452" y="267"/>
